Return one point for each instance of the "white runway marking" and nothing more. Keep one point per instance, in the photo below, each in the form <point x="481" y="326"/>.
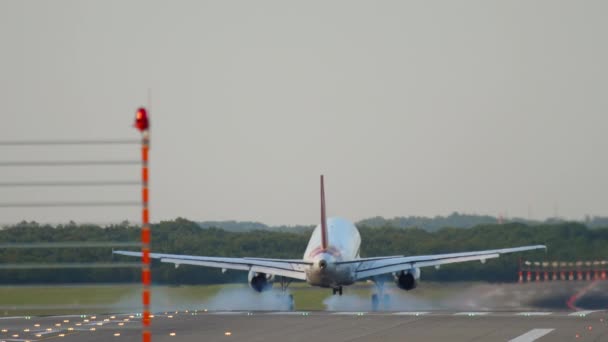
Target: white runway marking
<point x="471" y="313"/>
<point x="14" y="317"/>
<point x="535" y="313"/>
<point x="531" y="335"/>
<point x="46" y="332"/>
<point x="411" y="313"/>
<point x="227" y="313"/>
<point x="297" y="313"/>
<point x="349" y="313"/>
<point x="583" y="313"/>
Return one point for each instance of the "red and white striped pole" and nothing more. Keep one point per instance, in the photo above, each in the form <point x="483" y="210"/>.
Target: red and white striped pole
<point x="142" y="123"/>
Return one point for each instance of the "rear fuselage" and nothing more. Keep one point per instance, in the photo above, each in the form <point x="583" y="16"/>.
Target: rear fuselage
<point x="343" y="243"/>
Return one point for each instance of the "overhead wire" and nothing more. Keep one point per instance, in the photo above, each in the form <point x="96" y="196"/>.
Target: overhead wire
<point x="35" y="163"/>
<point x="69" y="204"/>
<point x="68" y="142"/>
<point x="69" y="183"/>
<point x="68" y="244"/>
<point x="30" y="266"/>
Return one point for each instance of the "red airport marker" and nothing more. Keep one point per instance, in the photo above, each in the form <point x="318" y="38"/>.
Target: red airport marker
<point x="142" y="123"/>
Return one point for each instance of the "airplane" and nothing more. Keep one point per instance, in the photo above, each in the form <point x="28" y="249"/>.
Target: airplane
<point x="332" y="260"/>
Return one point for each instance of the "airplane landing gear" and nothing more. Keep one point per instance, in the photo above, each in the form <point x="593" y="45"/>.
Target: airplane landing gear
<point x="291" y="304"/>
<point x="380" y="297"/>
<point x="375" y="302"/>
<point x="337" y="290"/>
<point x="285" y="284"/>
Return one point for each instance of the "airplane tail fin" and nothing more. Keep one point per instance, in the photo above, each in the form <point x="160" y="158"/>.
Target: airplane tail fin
<point x="324" y="242"/>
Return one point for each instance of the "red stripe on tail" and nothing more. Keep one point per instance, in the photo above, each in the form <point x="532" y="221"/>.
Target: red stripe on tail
<point x="323" y="218"/>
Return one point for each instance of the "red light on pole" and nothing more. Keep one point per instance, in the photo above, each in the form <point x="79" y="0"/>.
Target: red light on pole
<point x="142" y="122"/>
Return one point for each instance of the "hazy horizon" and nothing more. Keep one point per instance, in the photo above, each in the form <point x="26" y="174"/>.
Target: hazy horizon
<point x="408" y="108"/>
<point x="358" y="221"/>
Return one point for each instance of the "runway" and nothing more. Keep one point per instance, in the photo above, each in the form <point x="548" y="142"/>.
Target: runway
<point x="316" y="326"/>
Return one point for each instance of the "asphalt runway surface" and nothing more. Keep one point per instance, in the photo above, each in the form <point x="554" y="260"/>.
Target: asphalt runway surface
<point x="518" y="326"/>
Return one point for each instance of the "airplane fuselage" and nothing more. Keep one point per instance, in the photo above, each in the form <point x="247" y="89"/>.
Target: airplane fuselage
<point x="344" y="243"/>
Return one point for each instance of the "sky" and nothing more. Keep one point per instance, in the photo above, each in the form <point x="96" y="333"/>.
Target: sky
<point x="407" y="107"/>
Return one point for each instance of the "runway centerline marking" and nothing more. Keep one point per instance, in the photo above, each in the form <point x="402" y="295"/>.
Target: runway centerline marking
<point x="583" y="313"/>
<point x="349" y="313"/>
<point x="411" y="313"/>
<point x="535" y="313"/>
<point x="473" y="313"/>
<point x="532" y="335"/>
<point x="228" y="313"/>
<point x="296" y="313"/>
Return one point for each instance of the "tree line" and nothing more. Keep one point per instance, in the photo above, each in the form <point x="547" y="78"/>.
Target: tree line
<point x="565" y="241"/>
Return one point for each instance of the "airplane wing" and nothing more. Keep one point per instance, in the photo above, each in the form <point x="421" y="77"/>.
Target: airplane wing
<point x="370" y="267"/>
<point x="281" y="267"/>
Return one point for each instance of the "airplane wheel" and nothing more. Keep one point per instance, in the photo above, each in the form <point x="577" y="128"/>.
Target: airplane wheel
<point x="292" y="303"/>
<point x="375" y="302"/>
<point x="386" y="301"/>
<point x="340" y="290"/>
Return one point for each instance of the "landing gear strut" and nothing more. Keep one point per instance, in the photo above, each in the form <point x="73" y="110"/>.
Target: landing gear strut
<point x="380" y="297"/>
<point x="284" y="285"/>
<point x="337" y="290"/>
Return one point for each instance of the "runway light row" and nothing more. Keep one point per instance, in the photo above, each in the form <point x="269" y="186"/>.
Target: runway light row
<point x="71" y="328"/>
<point x="227" y="333"/>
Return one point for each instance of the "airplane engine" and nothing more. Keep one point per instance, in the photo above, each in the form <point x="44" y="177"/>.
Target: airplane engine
<point x="406" y="280"/>
<point x="260" y="281"/>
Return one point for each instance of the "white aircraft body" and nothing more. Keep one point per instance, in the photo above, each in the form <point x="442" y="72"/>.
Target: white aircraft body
<point x="332" y="260"/>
